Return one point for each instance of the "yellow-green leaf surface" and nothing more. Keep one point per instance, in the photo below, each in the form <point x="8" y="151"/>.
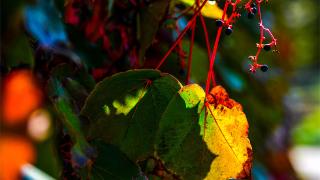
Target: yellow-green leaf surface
<point x="210" y="10"/>
<point x="225" y="130"/>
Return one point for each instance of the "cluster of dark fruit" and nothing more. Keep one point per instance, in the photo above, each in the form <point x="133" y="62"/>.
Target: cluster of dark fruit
<point x="228" y="30"/>
<point x="252" y="11"/>
<point x="264" y="67"/>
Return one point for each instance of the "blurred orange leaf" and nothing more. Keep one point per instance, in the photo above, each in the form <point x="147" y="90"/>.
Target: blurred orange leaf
<point x="21" y="96"/>
<point x="14" y="152"/>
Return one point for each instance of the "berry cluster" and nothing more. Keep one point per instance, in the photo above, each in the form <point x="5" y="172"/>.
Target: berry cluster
<point x="227" y="22"/>
<point x="253" y="8"/>
<point x="252" y="11"/>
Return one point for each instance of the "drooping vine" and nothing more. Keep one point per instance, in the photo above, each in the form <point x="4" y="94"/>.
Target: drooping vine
<point x="226" y="23"/>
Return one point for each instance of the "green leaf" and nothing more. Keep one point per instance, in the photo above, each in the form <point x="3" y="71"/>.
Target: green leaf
<point x="148" y="24"/>
<point x="62" y="103"/>
<point x="111" y="163"/>
<point x="125" y="109"/>
<point x="179" y="143"/>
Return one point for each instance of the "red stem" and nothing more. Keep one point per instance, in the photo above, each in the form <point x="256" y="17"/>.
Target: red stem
<point x="214" y="51"/>
<point x="181" y="34"/>
<point x="204" y="27"/>
<point x="261" y="34"/>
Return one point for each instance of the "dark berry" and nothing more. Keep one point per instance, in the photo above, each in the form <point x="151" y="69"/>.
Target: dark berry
<point x="228" y="31"/>
<point x="219" y="23"/>
<point x="254" y="10"/>
<point x="264" y="68"/>
<point x="253" y="5"/>
<point x="250" y="15"/>
<point x="267" y="47"/>
<point x="182" y="72"/>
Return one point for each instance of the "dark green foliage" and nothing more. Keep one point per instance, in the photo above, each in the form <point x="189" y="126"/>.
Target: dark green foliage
<point x="111" y="163"/>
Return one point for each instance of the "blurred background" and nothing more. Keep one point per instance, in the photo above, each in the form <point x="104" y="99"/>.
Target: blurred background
<point x="90" y="40"/>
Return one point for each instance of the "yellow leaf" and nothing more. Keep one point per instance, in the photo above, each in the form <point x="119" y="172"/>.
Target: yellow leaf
<point x="225" y="131"/>
<point x="210" y="9"/>
<point x="226" y="135"/>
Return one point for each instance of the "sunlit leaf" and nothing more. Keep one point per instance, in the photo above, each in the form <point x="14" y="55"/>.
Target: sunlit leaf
<point x="210" y="9"/>
<point x="225" y="131"/>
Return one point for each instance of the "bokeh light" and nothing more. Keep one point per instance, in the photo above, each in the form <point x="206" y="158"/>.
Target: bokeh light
<point x="39" y="125"/>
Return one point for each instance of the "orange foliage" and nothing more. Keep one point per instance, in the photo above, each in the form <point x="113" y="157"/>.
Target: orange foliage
<point x="21" y="96"/>
<point x="14" y="152"/>
<point x="218" y="95"/>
